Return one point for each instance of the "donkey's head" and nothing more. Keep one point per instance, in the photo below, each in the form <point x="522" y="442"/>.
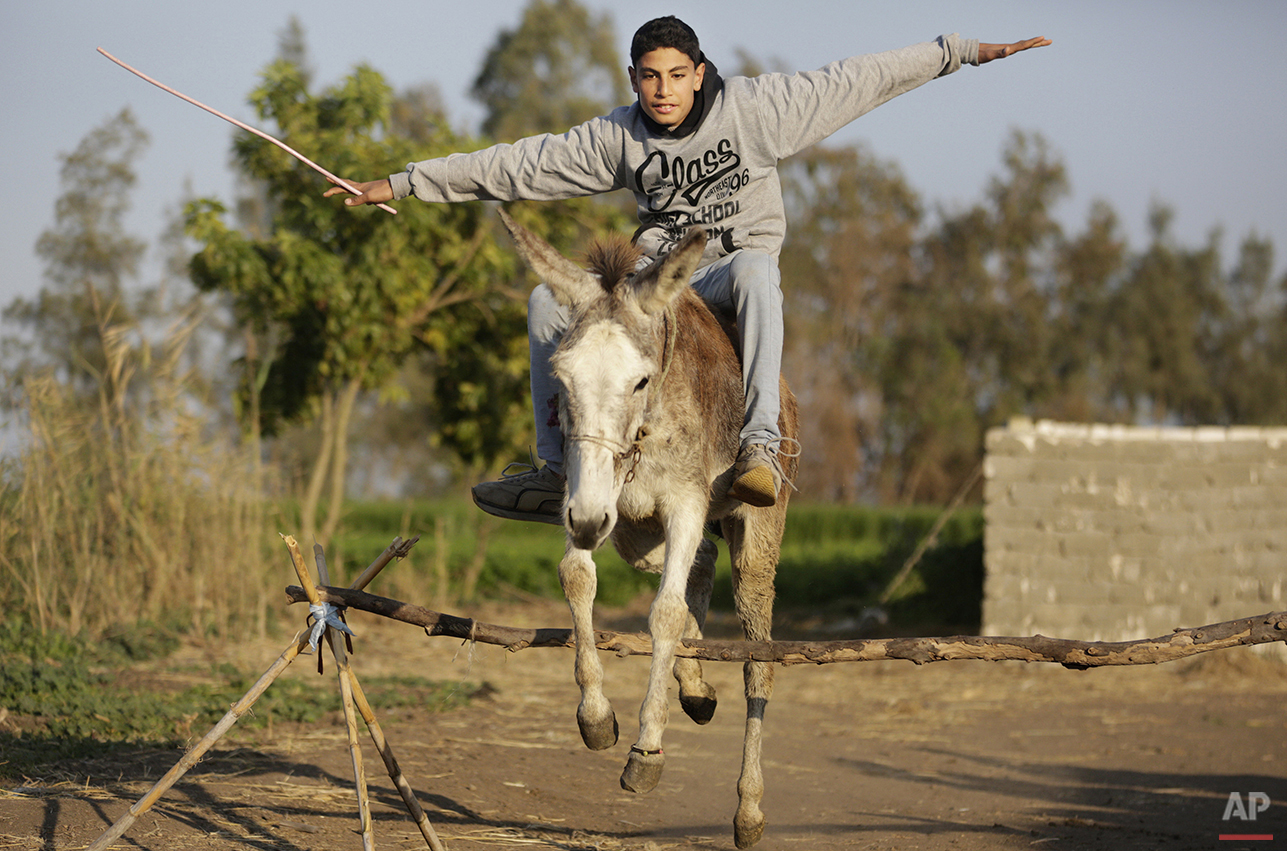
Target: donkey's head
<point x="611" y="354"/>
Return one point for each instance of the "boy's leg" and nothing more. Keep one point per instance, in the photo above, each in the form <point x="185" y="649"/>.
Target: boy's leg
<point x="748" y="284"/>
<point x="547" y="320"/>
<point x="536" y="494"/>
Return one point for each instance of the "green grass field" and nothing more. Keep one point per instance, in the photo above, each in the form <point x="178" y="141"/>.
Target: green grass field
<point x="836" y="560"/>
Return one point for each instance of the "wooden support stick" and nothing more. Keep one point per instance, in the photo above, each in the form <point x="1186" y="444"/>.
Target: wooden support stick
<point x="336" y="640"/>
<point x="395" y="771"/>
<point x="1261" y="629"/>
<point x="193" y="756"/>
<point x="398" y="549"/>
<point x="261" y="134"/>
<point x="301" y="569"/>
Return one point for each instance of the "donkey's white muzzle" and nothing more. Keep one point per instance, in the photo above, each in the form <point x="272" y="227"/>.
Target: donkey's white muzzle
<point x="592" y="495"/>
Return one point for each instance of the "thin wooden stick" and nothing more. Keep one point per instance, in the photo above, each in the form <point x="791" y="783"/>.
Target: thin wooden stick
<point x="350" y="715"/>
<point x="398" y="549"/>
<point x="395" y="770"/>
<point x="261" y="134"/>
<point x="193" y="756"/>
<point x="928" y="540"/>
<point x="301" y="570"/>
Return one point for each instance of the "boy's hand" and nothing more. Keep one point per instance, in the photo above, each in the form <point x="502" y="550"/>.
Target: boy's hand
<point x="372" y="192"/>
<point x="988" y="52"/>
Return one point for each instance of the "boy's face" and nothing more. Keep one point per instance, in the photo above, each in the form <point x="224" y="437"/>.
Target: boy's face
<point x="666" y="83"/>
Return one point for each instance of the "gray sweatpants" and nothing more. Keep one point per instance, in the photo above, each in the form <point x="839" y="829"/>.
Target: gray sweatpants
<point x="745" y="284"/>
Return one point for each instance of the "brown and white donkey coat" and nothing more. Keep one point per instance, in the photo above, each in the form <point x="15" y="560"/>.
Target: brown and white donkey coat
<point x="651" y="408"/>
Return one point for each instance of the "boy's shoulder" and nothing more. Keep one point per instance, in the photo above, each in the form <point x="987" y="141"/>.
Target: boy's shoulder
<point x="740" y="90"/>
<point x="627" y="118"/>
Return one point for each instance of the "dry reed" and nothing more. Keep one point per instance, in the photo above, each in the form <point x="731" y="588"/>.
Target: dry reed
<point x="124" y="505"/>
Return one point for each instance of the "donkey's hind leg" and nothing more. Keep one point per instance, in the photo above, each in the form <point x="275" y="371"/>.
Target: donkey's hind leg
<point x="696" y="696"/>
<point x="753" y="549"/>
<point x="644" y="548"/>
<point x="594" y="716"/>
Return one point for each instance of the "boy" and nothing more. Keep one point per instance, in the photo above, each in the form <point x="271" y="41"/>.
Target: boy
<point x="695" y="149"/>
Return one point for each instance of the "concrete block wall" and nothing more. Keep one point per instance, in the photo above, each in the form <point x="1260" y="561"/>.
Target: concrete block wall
<point x="1112" y="533"/>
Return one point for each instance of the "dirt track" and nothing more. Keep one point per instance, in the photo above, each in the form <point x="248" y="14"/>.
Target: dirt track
<point x="966" y="756"/>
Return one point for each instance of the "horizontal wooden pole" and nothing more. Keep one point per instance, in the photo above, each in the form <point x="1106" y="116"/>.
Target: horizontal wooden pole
<point x="1262" y="629"/>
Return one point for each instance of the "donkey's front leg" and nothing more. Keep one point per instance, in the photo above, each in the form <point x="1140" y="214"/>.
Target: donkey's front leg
<point x="594" y="716"/>
<point x="666" y="623"/>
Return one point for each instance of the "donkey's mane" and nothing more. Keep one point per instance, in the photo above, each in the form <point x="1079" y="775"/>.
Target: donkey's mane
<point x="613" y="259"/>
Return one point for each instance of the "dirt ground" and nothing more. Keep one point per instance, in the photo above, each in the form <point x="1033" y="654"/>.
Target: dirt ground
<point x="885" y="755"/>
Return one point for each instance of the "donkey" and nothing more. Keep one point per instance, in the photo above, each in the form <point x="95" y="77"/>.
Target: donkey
<point x="651" y="407"/>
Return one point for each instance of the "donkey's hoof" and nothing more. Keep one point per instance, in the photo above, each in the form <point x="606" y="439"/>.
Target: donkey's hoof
<point x="699" y="707"/>
<point x="748" y="830"/>
<point x="598" y="735"/>
<point x="643" y="771"/>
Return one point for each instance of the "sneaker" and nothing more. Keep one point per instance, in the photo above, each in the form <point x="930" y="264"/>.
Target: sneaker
<point x="531" y="494"/>
<point x="757" y="476"/>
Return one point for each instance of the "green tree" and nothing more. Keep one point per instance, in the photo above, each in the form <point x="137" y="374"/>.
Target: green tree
<point x="473" y="369"/>
<point x="937" y="370"/>
<point x="907" y="342"/>
<point x="557" y="69"/>
<point x="350" y="293"/>
<point x="1248" y="372"/>
<point x="89" y="258"/>
<point x="1024" y="238"/>
<point x="853" y="227"/>
<point x="1088" y="270"/>
<point x="1165" y="317"/>
<point x="968" y="343"/>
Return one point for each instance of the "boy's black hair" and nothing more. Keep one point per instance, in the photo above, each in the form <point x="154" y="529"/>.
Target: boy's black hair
<point x="665" y="32"/>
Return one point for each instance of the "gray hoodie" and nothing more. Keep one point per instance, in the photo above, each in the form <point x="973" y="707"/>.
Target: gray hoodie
<point x="720" y="175"/>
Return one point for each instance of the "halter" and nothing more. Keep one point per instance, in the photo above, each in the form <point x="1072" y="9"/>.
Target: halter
<point x="619" y="449"/>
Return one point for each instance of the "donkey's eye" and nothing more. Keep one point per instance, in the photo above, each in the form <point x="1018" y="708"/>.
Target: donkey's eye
<point x="643" y="382"/>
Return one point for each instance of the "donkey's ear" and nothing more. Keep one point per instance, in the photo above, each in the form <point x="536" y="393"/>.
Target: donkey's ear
<point x="569" y="282"/>
<point x="658" y="285"/>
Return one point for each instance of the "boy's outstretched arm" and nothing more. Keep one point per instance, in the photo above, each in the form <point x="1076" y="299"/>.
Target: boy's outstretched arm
<point x="373" y="192"/>
<point x="381" y="191"/>
<point x="988" y="52"/>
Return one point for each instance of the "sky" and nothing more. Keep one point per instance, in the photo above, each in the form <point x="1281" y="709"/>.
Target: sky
<point x="1171" y="101"/>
